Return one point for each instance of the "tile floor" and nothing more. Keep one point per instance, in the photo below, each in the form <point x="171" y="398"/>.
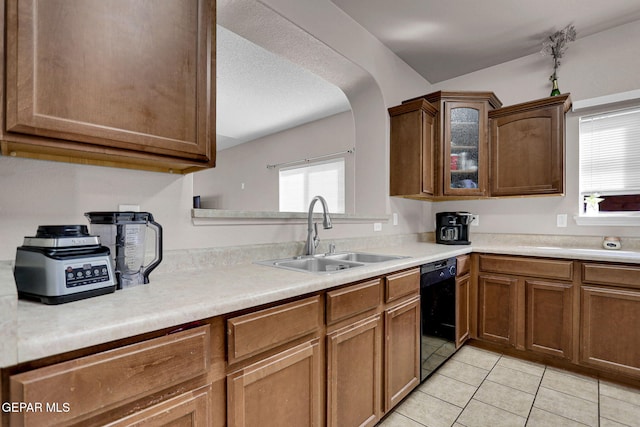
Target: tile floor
<point x="480" y="388"/>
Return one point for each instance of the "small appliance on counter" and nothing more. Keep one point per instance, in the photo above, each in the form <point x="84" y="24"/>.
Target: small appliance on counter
<point x="124" y="233"/>
<point x="63" y="263"/>
<point x="452" y="228"/>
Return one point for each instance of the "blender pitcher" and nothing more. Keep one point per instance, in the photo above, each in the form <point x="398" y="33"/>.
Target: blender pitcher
<point x="125" y="234"/>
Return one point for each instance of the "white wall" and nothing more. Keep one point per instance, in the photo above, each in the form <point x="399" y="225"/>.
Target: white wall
<point x="593" y="66"/>
<point x="221" y="187"/>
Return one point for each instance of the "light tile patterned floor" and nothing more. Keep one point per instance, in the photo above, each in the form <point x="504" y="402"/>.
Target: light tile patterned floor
<point x="478" y="388"/>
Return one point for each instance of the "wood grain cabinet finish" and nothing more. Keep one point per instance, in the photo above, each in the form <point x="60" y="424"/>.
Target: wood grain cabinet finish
<point x="352" y="300"/>
<point x="463" y="309"/>
<point x="527" y="147"/>
<point x="257" y="332"/>
<point x="454" y="135"/>
<point x="111" y="82"/>
<point x="610" y="336"/>
<point x="191" y="409"/>
<point x="354" y="374"/>
<point x="399" y="285"/>
<point x="549" y="318"/>
<point x="497" y="308"/>
<point x="282" y="390"/>
<point x="103" y="381"/>
<point x="412" y="156"/>
<point x="464" y="298"/>
<point x="560" y="269"/>
<point x="527" y="303"/>
<point x="402" y="351"/>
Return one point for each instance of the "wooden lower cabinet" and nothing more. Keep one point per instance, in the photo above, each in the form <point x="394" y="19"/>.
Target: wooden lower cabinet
<point x="549" y="317"/>
<point x="496" y="308"/>
<point x="526" y="313"/>
<point x="282" y="390"/>
<point x="402" y="351"/>
<point x="354" y="374"/>
<point x="610" y="333"/>
<point x="100" y="388"/>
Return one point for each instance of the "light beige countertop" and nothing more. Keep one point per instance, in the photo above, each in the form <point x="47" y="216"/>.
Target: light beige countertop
<point x="177" y="296"/>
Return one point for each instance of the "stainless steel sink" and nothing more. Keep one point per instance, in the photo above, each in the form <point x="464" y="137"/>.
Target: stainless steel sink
<point x="317" y="264"/>
<point x="329" y="263"/>
<point x="363" y="257"/>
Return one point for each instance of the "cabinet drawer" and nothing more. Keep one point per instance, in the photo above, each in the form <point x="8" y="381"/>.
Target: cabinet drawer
<point x="100" y="381"/>
<point x="537" y="267"/>
<point x="346" y="302"/>
<point x="463" y="265"/>
<point x="254" y="333"/>
<point x="606" y="274"/>
<point x="402" y="284"/>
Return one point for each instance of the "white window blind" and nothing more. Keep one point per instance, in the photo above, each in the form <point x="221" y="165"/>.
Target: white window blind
<point x="610" y="153"/>
<point x="298" y="185"/>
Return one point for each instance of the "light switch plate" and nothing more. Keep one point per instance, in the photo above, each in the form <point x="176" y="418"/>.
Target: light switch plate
<point x="377" y="226"/>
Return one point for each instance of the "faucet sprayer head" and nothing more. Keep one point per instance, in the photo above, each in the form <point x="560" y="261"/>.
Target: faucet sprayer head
<point x="326" y="223"/>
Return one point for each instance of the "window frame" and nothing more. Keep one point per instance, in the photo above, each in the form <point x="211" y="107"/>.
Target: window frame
<point x="595" y="106"/>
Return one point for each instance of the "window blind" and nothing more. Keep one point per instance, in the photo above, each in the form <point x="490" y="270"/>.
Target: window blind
<point x="298" y="185"/>
<point x="610" y="153"/>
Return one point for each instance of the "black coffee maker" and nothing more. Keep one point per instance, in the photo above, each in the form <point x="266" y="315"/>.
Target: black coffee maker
<point x="452" y="228"/>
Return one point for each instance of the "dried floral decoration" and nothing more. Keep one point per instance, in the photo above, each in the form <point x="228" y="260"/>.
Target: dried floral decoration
<point x="557" y="45"/>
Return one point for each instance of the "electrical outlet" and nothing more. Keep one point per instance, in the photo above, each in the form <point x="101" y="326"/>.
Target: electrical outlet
<point x="561" y="220"/>
<point x="377" y="226"/>
<point x="475" y="221"/>
<point x="129" y="208"/>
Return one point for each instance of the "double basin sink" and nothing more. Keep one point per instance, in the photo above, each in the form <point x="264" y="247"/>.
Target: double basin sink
<point x="329" y="263"/>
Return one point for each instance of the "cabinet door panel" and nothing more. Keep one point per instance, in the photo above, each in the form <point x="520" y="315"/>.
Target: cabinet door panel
<point x="412" y="150"/>
<point x="527" y="147"/>
<point x="610" y="333"/>
<point x="282" y="390"/>
<point x="463" y="327"/>
<point x="354" y="374"/>
<point x="496" y="308"/>
<point x="549" y="322"/>
<point x="465" y="135"/>
<point x="113" y="73"/>
<point x="402" y="351"/>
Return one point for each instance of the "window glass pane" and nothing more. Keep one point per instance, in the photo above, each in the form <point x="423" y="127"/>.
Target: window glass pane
<point x="298" y="185"/>
<point x="610" y="153"/>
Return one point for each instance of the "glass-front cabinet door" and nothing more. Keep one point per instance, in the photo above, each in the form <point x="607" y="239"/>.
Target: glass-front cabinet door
<point x="465" y="144"/>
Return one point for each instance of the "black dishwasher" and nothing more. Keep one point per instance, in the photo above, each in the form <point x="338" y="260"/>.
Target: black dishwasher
<point x="438" y="314"/>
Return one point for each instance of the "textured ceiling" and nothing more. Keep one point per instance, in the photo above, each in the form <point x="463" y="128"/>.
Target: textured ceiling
<point x="260" y="93"/>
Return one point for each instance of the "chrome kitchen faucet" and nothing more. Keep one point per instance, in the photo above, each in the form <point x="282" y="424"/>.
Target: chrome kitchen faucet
<point x="312" y="241"/>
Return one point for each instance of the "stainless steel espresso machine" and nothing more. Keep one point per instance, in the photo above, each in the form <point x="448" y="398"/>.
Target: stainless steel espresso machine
<point x="452" y="228"/>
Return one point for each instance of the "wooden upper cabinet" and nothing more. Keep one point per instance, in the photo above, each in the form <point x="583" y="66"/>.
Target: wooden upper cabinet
<point x="527" y="147"/>
<point x="111" y="82"/>
<point x="462" y="141"/>
<point x="412" y="155"/>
